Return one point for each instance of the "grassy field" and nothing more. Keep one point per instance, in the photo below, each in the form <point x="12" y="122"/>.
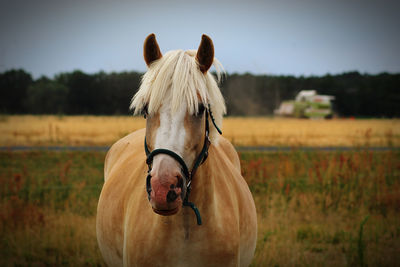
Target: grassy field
<point x="105" y="130"/>
<point x="314" y="208"/>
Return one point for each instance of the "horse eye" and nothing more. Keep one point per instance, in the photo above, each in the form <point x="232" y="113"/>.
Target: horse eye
<point x="144" y="111"/>
<point x="201" y="110"/>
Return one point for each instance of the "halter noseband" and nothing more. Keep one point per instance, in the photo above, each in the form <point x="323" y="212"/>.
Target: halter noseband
<point x="188" y="175"/>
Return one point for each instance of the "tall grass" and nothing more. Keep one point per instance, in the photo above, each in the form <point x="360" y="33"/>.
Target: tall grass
<point x="312" y="207"/>
<point x="47" y="208"/>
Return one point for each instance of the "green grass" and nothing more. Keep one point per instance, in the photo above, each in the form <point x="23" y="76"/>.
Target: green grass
<point x="314" y="208"/>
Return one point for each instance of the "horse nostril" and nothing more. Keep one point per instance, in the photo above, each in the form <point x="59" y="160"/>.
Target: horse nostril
<point x="172" y="186"/>
<point x="180" y="182"/>
<point x="171" y="196"/>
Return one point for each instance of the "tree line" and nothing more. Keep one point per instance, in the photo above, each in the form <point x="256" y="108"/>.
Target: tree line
<point x="72" y="93"/>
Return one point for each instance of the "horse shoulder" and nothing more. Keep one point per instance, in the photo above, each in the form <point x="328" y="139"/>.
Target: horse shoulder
<point x="124" y="166"/>
<point x="130" y="144"/>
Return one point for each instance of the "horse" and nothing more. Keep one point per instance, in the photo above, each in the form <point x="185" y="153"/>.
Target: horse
<point x="173" y="193"/>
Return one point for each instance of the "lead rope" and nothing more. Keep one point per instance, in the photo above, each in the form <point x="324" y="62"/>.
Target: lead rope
<point x="195" y="209"/>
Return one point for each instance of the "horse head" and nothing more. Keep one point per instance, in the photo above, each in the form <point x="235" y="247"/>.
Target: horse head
<point x="175" y="96"/>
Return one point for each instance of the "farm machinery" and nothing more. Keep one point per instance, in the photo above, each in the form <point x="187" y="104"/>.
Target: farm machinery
<point x="307" y="104"/>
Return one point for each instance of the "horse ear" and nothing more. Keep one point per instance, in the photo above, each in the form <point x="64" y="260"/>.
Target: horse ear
<point x="151" y="50"/>
<point x="205" y="53"/>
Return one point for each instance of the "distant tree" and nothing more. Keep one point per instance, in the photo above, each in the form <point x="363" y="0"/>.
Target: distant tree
<point x="120" y="89"/>
<point x="99" y="93"/>
<point x="245" y="94"/>
<point x="46" y="96"/>
<point x="82" y="96"/>
<point x="13" y="87"/>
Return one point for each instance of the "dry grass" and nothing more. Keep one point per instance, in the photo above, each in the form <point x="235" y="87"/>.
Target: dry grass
<point x="66" y="130"/>
<point x="298" y="132"/>
<point x="105" y="130"/>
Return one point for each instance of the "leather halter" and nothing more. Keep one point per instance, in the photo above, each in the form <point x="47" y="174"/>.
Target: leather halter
<point x="188" y="175"/>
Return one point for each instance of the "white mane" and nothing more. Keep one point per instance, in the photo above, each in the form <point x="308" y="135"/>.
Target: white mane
<point x="176" y="77"/>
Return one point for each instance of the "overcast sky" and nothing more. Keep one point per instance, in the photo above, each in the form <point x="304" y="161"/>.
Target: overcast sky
<point x="296" y="37"/>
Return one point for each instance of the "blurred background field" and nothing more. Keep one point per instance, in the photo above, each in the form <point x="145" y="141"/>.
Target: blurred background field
<point x="336" y="208"/>
<point x="314" y="208"/>
<point x="26" y="130"/>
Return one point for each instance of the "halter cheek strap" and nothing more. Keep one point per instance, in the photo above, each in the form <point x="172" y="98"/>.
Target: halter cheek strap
<point x="185" y="171"/>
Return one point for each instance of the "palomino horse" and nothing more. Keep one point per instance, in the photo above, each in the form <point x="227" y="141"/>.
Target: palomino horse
<point x="194" y="208"/>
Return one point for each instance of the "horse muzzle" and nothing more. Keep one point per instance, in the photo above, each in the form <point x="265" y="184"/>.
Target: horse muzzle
<point x="166" y="194"/>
